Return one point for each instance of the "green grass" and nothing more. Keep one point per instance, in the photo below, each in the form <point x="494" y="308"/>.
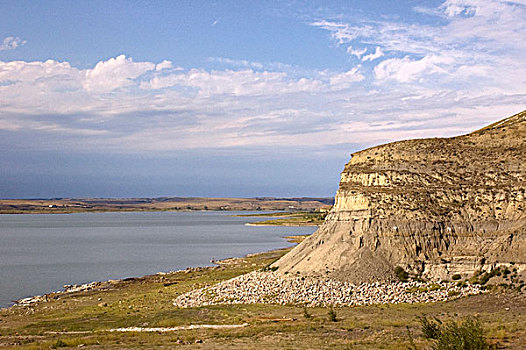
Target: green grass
<point x="303" y="218"/>
<point x="147" y="302"/>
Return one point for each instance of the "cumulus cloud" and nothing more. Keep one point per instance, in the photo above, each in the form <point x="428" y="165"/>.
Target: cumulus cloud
<point x="371" y="57"/>
<point x="115" y="73"/>
<point x="344" y="80"/>
<point x="237" y="83"/>
<point x="11" y="43"/>
<point x="454" y="8"/>
<point x="356" y="52"/>
<point x="421" y="80"/>
<point x="163" y="65"/>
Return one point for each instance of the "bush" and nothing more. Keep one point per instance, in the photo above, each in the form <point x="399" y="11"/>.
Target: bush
<point x="306" y="313"/>
<point x="59" y="344"/>
<point x="401" y="274"/>
<point x="456" y="277"/>
<point x="466" y="334"/>
<point x="453" y="293"/>
<point x="270" y="268"/>
<point x="431" y="329"/>
<point x="332" y="315"/>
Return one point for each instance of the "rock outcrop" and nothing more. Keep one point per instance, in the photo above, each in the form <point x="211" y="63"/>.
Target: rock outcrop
<point x="435" y="207"/>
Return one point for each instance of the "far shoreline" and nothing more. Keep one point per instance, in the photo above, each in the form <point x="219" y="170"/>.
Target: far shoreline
<point x="176" y="204"/>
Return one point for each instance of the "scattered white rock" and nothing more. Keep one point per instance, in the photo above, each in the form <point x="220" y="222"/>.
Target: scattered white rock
<point x="171" y="329"/>
<point x="273" y="288"/>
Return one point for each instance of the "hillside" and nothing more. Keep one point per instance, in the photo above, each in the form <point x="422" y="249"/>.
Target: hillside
<point x="436" y="207"/>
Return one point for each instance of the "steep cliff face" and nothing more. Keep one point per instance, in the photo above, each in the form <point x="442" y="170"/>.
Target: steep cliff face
<point x="435" y="207"/>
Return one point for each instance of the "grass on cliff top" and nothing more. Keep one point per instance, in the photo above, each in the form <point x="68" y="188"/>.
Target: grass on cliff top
<point x="300" y="218"/>
<point x="84" y="318"/>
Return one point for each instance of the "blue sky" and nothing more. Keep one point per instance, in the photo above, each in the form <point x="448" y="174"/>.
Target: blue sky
<point x="240" y="98"/>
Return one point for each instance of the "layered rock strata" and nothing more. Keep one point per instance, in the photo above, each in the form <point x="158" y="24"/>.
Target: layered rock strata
<point x="435" y="207"/>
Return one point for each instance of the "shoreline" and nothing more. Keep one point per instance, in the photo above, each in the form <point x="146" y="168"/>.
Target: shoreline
<point x="101" y="285"/>
<point x="287" y="224"/>
<point x="141" y="309"/>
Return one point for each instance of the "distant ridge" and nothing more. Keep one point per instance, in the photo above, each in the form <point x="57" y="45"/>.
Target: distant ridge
<point x="73" y="205"/>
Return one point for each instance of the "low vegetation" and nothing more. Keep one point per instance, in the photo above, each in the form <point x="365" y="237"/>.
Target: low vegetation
<point x="298" y="218"/>
<point x="79" y="205"/>
<point x="401" y="274"/>
<point x="500" y="277"/>
<point x="84" y="319"/>
<point x="466" y="334"/>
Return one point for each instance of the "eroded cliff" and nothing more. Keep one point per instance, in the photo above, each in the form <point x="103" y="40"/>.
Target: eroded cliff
<point x="435" y="207"/>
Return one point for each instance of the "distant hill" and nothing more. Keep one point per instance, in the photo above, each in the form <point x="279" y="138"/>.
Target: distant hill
<point x="74" y="205"/>
<point x="435" y="207"/>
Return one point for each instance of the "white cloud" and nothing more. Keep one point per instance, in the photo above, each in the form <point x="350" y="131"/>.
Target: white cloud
<point x="11" y="43"/>
<point x="454" y="8"/>
<point x="356" y="52"/>
<point x="343" y="32"/>
<point x="237" y="83"/>
<point x="115" y="73"/>
<point x="236" y="63"/>
<point x="423" y="80"/>
<point x="163" y="65"/>
<point x="344" y="80"/>
<point x="407" y="70"/>
<point x="371" y="57"/>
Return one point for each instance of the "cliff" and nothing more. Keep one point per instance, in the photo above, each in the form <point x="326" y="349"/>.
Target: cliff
<point x="435" y="207"/>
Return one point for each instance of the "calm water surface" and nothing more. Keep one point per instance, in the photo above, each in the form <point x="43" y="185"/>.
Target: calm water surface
<point x="40" y="253"/>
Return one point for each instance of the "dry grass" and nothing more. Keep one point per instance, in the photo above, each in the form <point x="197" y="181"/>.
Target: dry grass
<point x="49" y="206"/>
<point x="147" y="302"/>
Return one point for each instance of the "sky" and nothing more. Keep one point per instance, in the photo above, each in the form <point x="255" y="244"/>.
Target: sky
<point x="240" y="98"/>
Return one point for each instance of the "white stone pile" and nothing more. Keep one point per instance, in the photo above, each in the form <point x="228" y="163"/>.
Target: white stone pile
<point x="274" y="288"/>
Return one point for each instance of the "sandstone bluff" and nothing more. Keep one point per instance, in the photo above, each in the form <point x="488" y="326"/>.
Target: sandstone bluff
<point x="435" y="207"/>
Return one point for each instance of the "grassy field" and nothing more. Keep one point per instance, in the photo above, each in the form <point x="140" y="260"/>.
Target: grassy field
<point x="299" y="218"/>
<point x="81" y="205"/>
<point x="84" y="319"/>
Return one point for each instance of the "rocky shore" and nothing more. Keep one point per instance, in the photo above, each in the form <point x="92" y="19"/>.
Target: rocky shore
<point x="68" y="288"/>
<point x="274" y="288"/>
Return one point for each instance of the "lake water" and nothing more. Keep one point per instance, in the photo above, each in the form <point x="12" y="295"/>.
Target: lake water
<point x="40" y="253"/>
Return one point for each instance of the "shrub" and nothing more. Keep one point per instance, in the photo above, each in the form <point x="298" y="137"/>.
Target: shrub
<point x="466" y="334"/>
<point x="456" y="277"/>
<point x="431" y="329"/>
<point x="306" y="313"/>
<point x="270" y="268"/>
<point x="59" y="344"/>
<point x="332" y="315"/>
<point x="453" y="293"/>
<point x="484" y="278"/>
<point x="401" y="274"/>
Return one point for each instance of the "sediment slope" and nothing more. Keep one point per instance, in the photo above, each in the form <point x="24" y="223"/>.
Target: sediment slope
<point x="435" y="207"/>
